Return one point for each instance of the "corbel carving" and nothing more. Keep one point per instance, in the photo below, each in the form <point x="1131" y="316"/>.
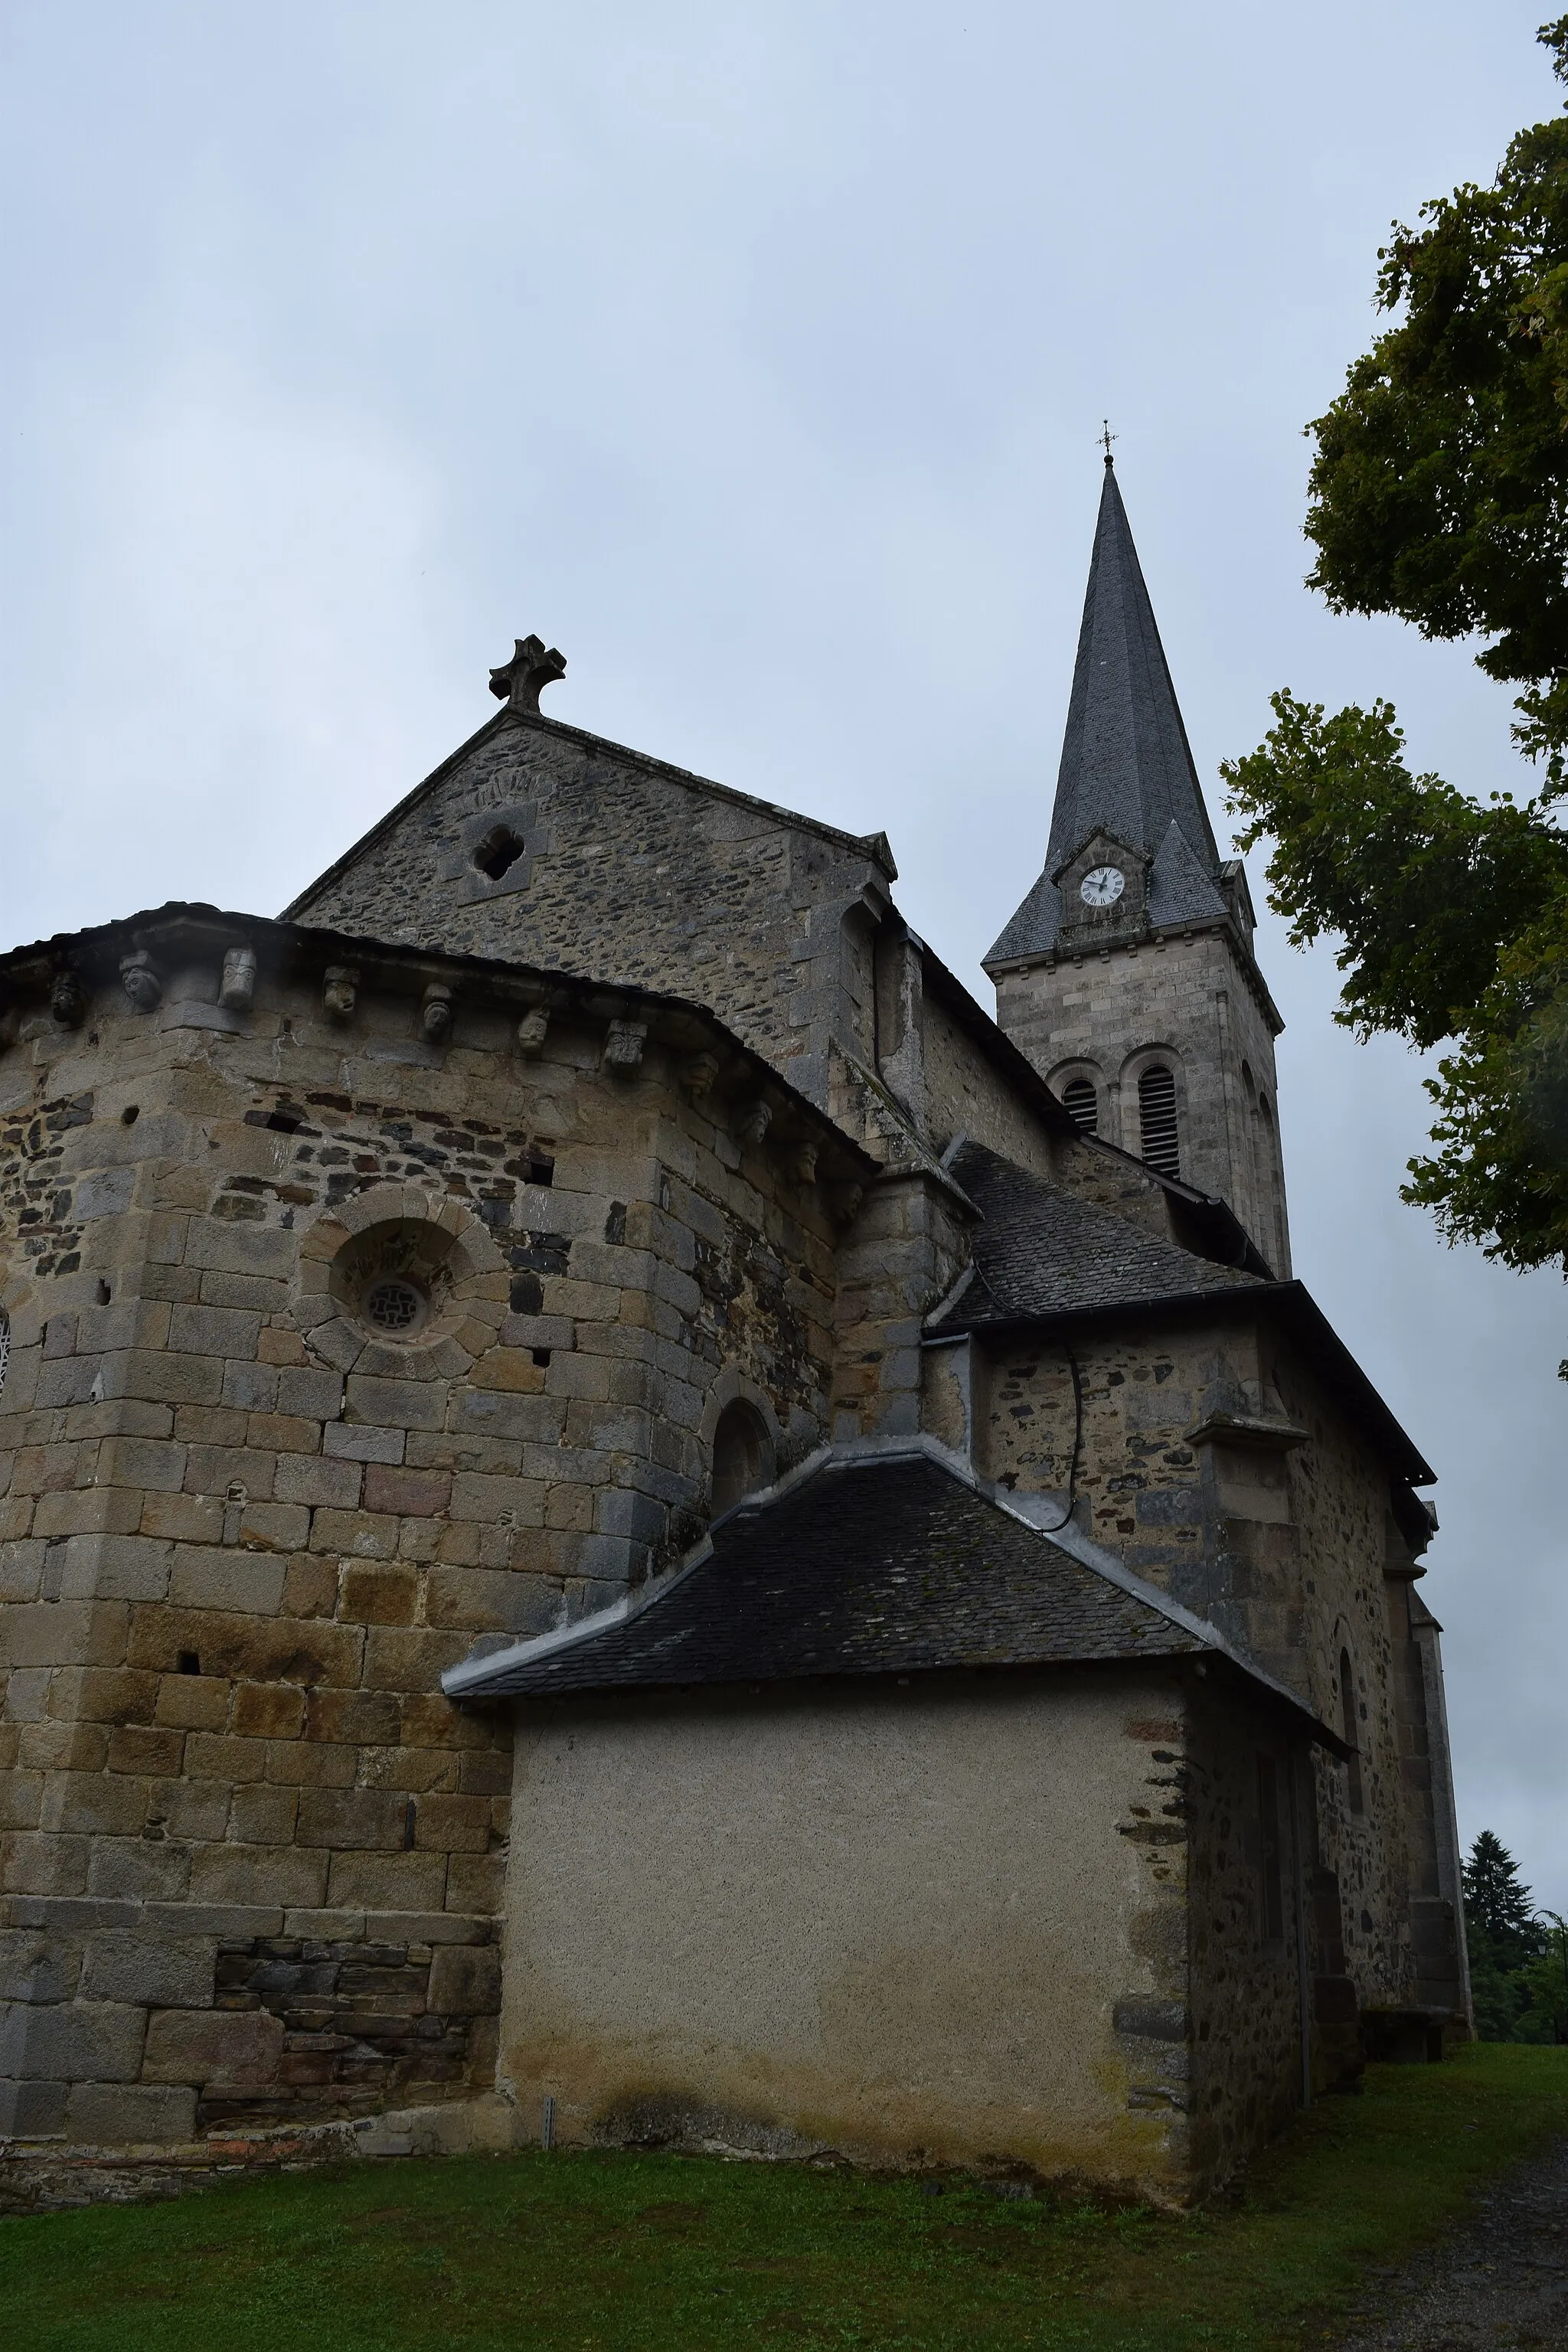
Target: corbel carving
<point x="531" y="1031"/>
<point x="803" y="1160"/>
<point x="340" y="990"/>
<point x="843" y="1202"/>
<point x="698" y="1074"/>
<point x="754" y="1124"/>
<point x="624" y="1045"/>
<point x="236" y="991"/>
<point x="143" y="989"/>
<point x="436" y="1013"/>
<point x="67" y="998"/>
<point x="10" y="1025"/>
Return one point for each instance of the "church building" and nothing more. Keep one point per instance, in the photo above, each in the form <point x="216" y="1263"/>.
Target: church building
<point x="625" y="1521"/>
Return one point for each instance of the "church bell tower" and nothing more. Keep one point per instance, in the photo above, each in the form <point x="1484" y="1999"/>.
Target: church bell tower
<point x="1128" y="976"/>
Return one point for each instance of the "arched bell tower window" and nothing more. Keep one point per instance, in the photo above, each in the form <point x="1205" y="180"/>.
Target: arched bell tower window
<point x="1083" y="1104"/>
<point x="742" y="1455"/>
<point x="1158" y="1145"/>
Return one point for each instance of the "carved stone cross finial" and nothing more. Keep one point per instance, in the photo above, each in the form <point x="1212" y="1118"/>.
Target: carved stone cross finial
<point x="520" y="682"/>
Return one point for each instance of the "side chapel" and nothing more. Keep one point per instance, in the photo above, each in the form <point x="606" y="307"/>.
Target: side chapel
<point x="619" y="1515"/>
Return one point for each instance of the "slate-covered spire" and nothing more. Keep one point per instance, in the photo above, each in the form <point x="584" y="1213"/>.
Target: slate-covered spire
<point x="1126" y="769"/>
<point x="1126" y="766"/>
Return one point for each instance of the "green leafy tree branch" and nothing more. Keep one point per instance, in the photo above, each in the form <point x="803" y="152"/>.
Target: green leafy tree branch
<point x="1439" y="493"/>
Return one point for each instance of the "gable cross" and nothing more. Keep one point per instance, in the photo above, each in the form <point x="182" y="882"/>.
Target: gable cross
<point x="520" y="682"/>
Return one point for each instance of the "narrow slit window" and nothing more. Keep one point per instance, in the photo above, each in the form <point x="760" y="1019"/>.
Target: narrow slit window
<point x="5" y="1345"/>
<point x="1157" y="1120"/>
<point x="1271" y="1890"/>
<point x="1083" y="1104"/>
<point x="1347" y="1725"/>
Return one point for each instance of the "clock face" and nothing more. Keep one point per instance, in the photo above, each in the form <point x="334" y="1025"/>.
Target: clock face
<point x="1102" y="886"/>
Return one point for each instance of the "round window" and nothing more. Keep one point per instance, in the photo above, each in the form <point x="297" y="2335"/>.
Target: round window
<point x="396" y="1309"/>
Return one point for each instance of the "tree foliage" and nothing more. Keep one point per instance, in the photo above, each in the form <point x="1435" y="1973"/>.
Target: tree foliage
<point x="1519" y="1957"/>
<point x="1439" y="493"/>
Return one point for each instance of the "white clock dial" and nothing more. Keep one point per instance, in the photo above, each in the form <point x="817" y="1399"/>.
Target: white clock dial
<point x="1102" y="885"/>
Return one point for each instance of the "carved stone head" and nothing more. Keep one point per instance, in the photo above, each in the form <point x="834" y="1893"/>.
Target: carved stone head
<point x="435" y="1015"/>
<point x="143" y="989"/>
<point x="531" y="1031"/>
<point x="67" y="998"/>
<point x="624" y="1042"/>
<point x="340" y="990"/>
<point x="237" y="990"/>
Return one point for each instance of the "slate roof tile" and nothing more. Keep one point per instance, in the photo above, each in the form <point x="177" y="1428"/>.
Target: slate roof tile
<point x="870" y="1567"/>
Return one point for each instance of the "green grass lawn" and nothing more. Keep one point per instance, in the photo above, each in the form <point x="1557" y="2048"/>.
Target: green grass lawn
<point x="655" y="2252"/>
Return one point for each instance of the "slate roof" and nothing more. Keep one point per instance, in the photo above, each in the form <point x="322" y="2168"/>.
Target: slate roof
<point x="868" y="1567"/>
<point x="1127" y="768"/>
<point x="1041" y="1251"/>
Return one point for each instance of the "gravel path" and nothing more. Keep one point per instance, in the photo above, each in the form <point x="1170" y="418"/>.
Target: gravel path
<point x="1500" y="2282"/>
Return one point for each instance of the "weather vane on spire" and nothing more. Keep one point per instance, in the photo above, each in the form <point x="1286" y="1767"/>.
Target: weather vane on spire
<point x="1106" y="437"/>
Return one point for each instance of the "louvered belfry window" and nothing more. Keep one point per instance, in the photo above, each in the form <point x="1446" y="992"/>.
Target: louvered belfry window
<point x="1079" y="1098"/>
<point x="1157" y="1120"/>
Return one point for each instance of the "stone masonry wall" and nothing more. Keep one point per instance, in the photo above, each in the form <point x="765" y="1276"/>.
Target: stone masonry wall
<point x="1103" y="1015"/>
<point x="634" y="871"/>
<point x="1284" y="1548"/>
<point x="251" y="1857"/>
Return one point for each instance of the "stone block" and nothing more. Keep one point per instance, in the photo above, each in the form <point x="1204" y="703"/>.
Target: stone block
<point x="193" y="1702"/>
<point x="311" y="1764"/>
<point x="144" y="1869"/>
<point x="453" y="1824"/>
<point x="263" y="1815"/>
<point x="465" y="1980"/>
<point x="32" y="2110"/>
<point x="220" y="1756"/>
<point x="183" y="1518"/>
<point x="217" y="2050"/>
<point x="396" y="1404"/>
<point x="46" y="1865"/>
<point x="126" y="1965"/>
<point x="378" y="1596"/>
<point x="314" y="1479"/>
<point x="249" y="1387"/>
<point x="107" y="2115"/>
<point x="388" y="1882"/>
<point x="72" y="2042"/>
<point x="348" y="1818"/>
<point x="280" y="1875"/>
<point x="146" y="1748"/>
<point x="352" y="1441"/>
<point x="275" y="1527"/>
<point x="114" y="1568"/>
<point x="36" y="1965"/>
<point x="89" y="1803"/>
<point x="248" y="1583"/>
<point x="312" y="1395"/>
<point x="424" y="1493"/>
<point x="268" y="1711"/>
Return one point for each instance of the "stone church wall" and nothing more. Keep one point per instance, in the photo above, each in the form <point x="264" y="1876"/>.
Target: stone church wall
<point x="1100" y="1015"/>
<point x="629" y="870"/>
<point x="251" y="1857"/>
<point x="1285" y="1550"/>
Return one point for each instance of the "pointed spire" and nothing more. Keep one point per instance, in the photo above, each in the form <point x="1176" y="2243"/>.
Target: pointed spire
<point x="1126" y="768"/>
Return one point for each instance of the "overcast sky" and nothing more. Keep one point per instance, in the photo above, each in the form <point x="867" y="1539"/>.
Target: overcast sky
<point x="754" y="356"/>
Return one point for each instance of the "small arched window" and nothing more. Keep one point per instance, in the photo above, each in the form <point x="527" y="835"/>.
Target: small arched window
<point x="1157" y="1120"/>
<point x="1083" y="1104"/>
<point x="1347" y="1725"/>
<point x="742" y="1455"/>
